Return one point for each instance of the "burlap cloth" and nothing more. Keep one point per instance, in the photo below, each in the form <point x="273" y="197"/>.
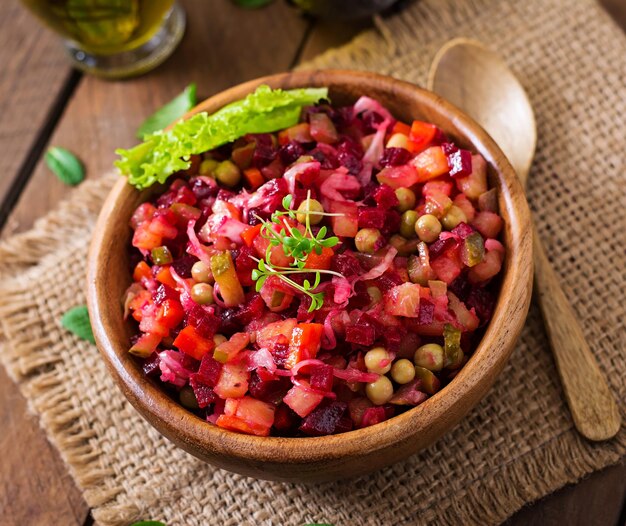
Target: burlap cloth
<point x="516" y="446"/>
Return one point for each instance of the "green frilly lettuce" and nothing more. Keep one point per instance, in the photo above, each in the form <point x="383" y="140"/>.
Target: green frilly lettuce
<point x="165" y="152"/>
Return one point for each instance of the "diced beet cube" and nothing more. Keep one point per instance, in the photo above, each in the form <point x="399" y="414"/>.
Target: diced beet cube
<point x="202" y="188"/>
<point x="285" y="419"/>
<point x="185" y="196"/>
<point x="373" y="415"/>
<point x="150" y="365"/>
<point x="204" y="393"/>
<point x="245" y="265"/>
<point x="379" y="327"/>
<point x="371" y="217"/>
<point x="264" y="153"/>
<point x="483" y="301"/>
<point x="426" y="312"/>
<point x="460" y="287"/>
<point x="190" y="363"/>
<point x="392" y="222"/>
<point x="460" y="163"/>
<point x="280" y="350"/>
<point x="393" y="336"/>
<point x="349" y="154"/>
<point x="252" y="309"/>
<point x="270" y="391"/>
<point x="361" y="297"/>
<point x="324" y="419"/>
<point x="290" y="152"/>
<point x="303" y="314"/>
<point x="395" y="157"/>
<point x="388" y="280"/>
<point x="345" y="424"/>
<point x="463" y="230"/>
<point x="440" y="246"/>
<point x="183" y="264"/>
<point x="204" y="322"/>
<point x="385" y="197"/>
<point x="361" y="333"/>
<point x="326" y="155"/>
<point x="163" y="292"/>
<point x="321" y="377"/>
<point x="345" y="263"/>
<point x="449" y="148"/>
<point x="210" y="370"/>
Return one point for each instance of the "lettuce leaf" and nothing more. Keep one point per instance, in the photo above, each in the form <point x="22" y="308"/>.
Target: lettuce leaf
<point x="165" y="152"/>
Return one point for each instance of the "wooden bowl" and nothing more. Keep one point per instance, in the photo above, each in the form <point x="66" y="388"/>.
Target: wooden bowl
<point x="360" y="451"/>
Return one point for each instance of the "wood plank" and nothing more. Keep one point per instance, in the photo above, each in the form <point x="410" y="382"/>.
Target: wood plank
<point x="35" y="487"/>
<point x="102" y="116"/>
<point x="595" y="501"/>
<point x="33" y="71"/>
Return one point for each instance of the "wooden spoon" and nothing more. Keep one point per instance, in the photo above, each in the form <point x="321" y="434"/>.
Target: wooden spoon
<point x="480" y="83"/>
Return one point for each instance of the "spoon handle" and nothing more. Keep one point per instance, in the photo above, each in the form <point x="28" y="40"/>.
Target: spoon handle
<point x="593" y="408"/>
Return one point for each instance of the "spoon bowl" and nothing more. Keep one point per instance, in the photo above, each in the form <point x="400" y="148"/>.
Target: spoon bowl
<point x="491" y="94"/>
<point x="478" y="81"/>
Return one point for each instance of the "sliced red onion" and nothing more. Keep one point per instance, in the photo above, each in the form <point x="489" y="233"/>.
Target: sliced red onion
<point x="374" y="152"/>
<point x="195" y="248"/>
<point x="172" y="371"/>
<point x="305" y="386"/>
<point x="340" y="179"/>
<point x="368" y="104"/>
<point x="292" y="173"/>
<point x="311" y="361"/>
<point x="217" y="298"/>
<point x="343" y="291"/>
<point x="382" y="267"/>
<point x="354" y="375"/>
<point x="328" y="337"/>
<point x="262" y="358"/>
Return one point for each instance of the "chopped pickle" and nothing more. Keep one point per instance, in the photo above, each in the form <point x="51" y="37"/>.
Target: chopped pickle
<point x="161" y="256"/>
<point x="452" y="346"/>
<point x="473" y="251"/>
<point x="429" y="382"/>
<point x="277" y="298"/>
<point x="226" y="278"/>
<point x="405" y="247"/>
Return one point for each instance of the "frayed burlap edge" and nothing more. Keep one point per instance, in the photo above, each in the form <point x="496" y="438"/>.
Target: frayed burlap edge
<point x="29" y="362"/>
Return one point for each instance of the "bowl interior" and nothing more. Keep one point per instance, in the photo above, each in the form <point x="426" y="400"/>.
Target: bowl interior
<point x="109" y="276"/>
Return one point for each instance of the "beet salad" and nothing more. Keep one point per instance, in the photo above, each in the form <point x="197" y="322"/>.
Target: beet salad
<point x="308" y="269"/>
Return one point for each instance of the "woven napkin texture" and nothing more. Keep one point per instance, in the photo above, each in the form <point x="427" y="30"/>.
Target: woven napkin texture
<point x="517" y="445"/>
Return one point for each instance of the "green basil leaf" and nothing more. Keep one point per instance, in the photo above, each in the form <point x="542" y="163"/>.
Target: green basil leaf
<point x="168" y="113"/>
<point x="148" y="523"/>
<point x="65" y="165"/>
<point x="76" y="320"/>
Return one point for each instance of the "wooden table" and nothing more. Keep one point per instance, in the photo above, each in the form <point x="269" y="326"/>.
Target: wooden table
<point x="43" y="101"/>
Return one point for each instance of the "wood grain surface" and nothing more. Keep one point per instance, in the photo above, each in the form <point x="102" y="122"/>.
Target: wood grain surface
<point x="35" y="488"/>
<point x="33" y="76"/>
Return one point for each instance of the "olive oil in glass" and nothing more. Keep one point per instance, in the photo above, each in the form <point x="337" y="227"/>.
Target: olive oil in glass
<point x="114" y="38"/>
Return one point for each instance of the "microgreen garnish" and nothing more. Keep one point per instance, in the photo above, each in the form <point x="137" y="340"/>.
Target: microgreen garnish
<point x="297" y="244"/>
